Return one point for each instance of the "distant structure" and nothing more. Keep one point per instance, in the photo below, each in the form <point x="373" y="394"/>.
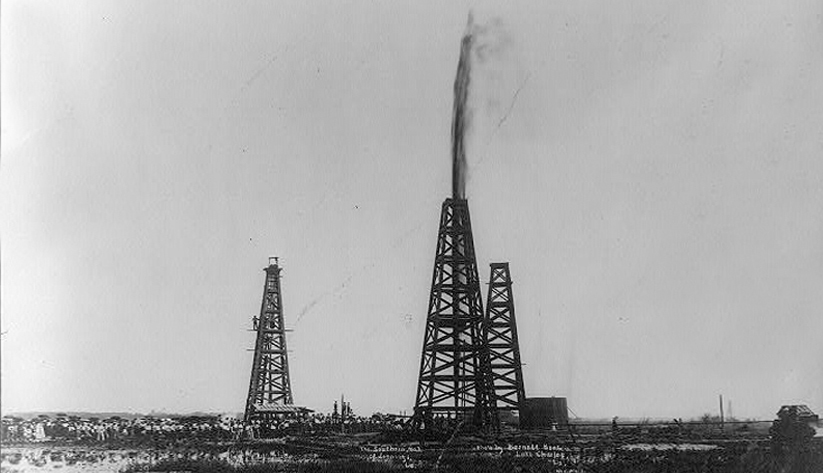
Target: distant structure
<point x="798" y="411"/>
<point x="270" y="393"/>
<point x="455" y="380"/>
<point x="501" y="339"/>
<point x="345" y="411"/>
<point x="544" y="413"/>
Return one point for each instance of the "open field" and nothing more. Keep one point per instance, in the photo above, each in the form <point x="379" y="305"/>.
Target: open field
<point x="630" y="449"/>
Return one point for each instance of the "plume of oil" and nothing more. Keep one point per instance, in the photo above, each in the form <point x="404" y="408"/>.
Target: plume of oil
<point x="461" y="115"/>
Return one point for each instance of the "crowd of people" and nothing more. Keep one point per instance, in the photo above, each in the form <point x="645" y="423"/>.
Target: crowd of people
<point x="323" y="423"/>
<point x="91" y="430"/>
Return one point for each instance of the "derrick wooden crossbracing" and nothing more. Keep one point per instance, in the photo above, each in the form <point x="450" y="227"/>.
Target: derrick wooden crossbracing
<point x="501" y="339"/>
<point x="454" y="376"/>
<point x="269" y="384"/>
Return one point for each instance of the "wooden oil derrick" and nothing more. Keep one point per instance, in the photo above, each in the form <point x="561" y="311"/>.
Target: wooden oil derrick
<point x="455" y="380"/>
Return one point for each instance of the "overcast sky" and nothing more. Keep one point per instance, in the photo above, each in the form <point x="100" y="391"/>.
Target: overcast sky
<point x="656" y="185"/>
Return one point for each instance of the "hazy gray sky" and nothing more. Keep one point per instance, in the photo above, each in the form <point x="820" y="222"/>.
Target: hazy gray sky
<point x="657" y="186"/>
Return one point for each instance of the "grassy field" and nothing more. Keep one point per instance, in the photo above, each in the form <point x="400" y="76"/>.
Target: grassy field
<point x="737" y="457"/>
<point x="635" y="448"/>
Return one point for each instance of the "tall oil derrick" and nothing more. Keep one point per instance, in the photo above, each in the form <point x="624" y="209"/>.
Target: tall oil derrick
<point x="454" y="377"/>
<point x="269" y="384"/>
<point x="501" y="339"/>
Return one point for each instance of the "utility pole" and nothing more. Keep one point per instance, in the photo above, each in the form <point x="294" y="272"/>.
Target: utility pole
<point x="721" y="412"/>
